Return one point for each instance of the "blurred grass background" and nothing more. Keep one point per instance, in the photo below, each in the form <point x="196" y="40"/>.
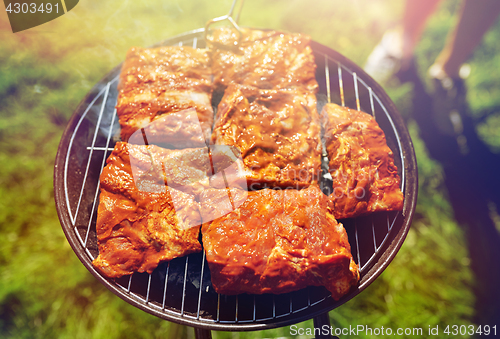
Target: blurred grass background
<point x="45" y="292"/>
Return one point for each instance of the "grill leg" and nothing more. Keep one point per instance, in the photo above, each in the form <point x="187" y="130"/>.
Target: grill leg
<point x="320" y="321"/>
<point x="200" y="333"/>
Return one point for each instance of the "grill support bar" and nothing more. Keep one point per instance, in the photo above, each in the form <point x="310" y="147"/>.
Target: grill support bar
<point x="200" y="333"/>
<point x="320" y="321"/>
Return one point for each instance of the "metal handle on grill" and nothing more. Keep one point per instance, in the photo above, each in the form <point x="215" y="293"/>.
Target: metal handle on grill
<point x="228" y="17"/>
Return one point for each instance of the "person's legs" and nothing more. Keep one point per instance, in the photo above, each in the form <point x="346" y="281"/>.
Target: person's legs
<point x="415" y="16"/>
<point x="394" y="53"/>
<point x="449" y="94"/>
<point x="475" y="18"/>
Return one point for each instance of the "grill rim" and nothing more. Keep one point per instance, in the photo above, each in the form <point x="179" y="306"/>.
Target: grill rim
<point x="388" y="249"/>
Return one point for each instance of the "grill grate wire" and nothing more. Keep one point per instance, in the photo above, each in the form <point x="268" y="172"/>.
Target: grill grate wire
<point x="164" y="304"/>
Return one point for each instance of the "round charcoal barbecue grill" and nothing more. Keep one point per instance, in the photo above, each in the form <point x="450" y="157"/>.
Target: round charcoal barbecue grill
<point x="181" y="290"/>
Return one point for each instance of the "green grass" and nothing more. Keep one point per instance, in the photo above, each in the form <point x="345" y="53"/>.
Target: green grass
<point x="45" y="292"/>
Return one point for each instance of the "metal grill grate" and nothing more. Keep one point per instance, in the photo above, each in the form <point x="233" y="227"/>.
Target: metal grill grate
<point x="181" y="290"/>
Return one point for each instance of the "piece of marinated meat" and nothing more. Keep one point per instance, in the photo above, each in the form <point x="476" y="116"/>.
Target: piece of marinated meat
<point x="155" y="82"/>
<point x="276" y="131"/>
<point x="277" y="241"/>
<point x="365" y="178"/>
<point x="264" y="59"/>
<point x="141" y="221"/>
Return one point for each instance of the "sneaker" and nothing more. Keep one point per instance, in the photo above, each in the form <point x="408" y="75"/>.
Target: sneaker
<point x="450" y="105"/>
<point x="386" y="58"/>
